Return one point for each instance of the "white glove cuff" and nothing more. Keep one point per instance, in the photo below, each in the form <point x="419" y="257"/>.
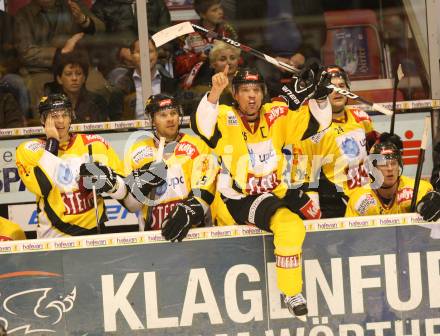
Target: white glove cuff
<point x="120" y="190"/>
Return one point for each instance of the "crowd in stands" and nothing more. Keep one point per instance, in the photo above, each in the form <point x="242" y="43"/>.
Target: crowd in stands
<point x="89" y="50"/>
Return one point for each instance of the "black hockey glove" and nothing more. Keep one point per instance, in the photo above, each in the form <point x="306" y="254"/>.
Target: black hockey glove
<point x="300" y="203"/>
<point x="100" y="176"/>
<point x="321" y="89"/>
<point x="303" y="85"/>
<point x="141" y="181"/>
<point x="178" y="222"/>
<point x="429" y="206"/>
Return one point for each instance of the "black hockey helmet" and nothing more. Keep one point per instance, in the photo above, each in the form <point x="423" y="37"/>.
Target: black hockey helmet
<point x="389" y="150"/>
<point x="52" y="102"/>
<point x="337" y="71"/>
<point x="161" y="101"/>
<point x="247" y="76"/>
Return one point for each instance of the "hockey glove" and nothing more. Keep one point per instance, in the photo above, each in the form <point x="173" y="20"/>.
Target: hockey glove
<point x="178" y="222"/>
<point x="97" y="175"/>
<point x="321" y="90"/>
<point x="300" y="203"/>
<point x="429" y="206"/>
<point x="302" y="86"/>
<point x="141" y="181"/>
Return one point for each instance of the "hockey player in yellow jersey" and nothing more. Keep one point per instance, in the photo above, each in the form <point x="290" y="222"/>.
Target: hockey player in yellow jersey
<point x="10" y="230"/>
<point x="248" y="138"/>
<point x="390" y="192"/>
<point x="50" y="167"/>
<point x="334" y="160"/>
<point x="188" y="168"/>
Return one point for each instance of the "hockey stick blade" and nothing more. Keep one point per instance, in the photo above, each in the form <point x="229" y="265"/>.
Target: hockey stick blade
<point x="170" y="33"/>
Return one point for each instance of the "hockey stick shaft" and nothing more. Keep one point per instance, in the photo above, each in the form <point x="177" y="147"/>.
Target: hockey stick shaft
<point x="95" y="198"/>
<point x="420" y="163"/>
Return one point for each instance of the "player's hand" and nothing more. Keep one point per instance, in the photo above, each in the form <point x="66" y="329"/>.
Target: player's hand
<point x="98" y="175"/>
<point x="50" y="129"/>
<point x="78" y="16"/>
<point x="429" y="206"/>
<point x="321" y="89"/>
<point x="178" y="222"/>
<point x="141" y="181"/>
<point x="220" y="81"/>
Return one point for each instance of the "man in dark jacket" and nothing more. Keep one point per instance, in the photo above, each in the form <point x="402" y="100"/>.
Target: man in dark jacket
<point x="10" y="113"/>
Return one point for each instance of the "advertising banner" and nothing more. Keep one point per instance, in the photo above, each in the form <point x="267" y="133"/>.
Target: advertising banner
<point x="364" y="276"/>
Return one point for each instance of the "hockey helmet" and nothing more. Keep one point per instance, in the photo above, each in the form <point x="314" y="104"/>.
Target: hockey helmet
<point x="389" y="150"/>
<point x="337" y="71"/>
<point x="52" y="102"/>
<point x="248" y="76"/>
<point x="161" y="101"/>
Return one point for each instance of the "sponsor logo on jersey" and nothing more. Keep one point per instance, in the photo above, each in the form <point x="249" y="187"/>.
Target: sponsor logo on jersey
<point x="357" y="176"/>
<point x="141" y="153"/>
<point x="64" y="175"/>
<point x="359" y="115"/>
<point x="158" y="214"/>
<point x="404" y="194"/>
<point x="310" y="210"/>
<point x="90" y="138"/>
<point x="260" y="184"/>
<point x="4" y="238"/>
<point x="172" y="182"/>
<point x="364" y="203"/>
<point x="77" y="202"/>
<point x="350" y="147"/>
<point x="274" y="113"/>
<point x="186" y="148"/>
<point x="293" y="261"/>
<point x="34" y="146"/>
<point x="231" y="120"/>
<point x="262" y="157"/>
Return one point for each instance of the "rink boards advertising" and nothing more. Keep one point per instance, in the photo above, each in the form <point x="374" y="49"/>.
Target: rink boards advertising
<point x="362" y="276"/>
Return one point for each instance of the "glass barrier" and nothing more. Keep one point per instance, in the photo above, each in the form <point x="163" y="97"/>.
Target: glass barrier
<point x="91" y="53"/>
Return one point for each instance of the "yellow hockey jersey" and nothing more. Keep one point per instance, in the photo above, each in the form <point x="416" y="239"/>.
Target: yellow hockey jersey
<point x="10" y="230"/>
<point x="339" y="153"/>
<point x="63" y="208"/>
<point x="252" y="162"/>
<point x="365" y="201"/>
<point x="192" y="170"/>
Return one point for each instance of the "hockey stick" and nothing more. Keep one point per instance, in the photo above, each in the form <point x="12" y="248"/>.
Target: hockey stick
<point x="397" y="77"/>
<point x="420" y="163"/>
<point x="95" y="199"/>
<point x="184" y="28"/>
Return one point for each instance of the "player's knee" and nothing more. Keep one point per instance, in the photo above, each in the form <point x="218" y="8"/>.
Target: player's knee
<point x="287" y="227"/>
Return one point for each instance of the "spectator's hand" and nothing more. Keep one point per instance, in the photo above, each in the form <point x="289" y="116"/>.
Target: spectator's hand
<point x="126" y="57"/>
<point x="70" y="44"/>
<point x="220" y="81"/>
<point x="141" y="181"/>
<point x="429" y="206"/>
<point x="78" y="16"/>
<point x="178" y="222"/>
<point x="100" y="176"/>
<point x="50" y="129"/>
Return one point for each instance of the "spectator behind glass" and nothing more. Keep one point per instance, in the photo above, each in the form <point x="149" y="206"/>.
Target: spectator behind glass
<point x="292" y="31"/>
<point x="120" y="22"/>
<point x="221" y="54"/>
<point x="10" y="113"/>
<point x="70" y="74"/>
<point x="127" y="89"/>
<point x="9" y="63"/>
<point x="192" y="59"/>
<point x="46" y="28"/>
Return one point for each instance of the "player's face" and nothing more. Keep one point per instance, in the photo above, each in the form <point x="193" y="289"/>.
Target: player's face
<point x="390" y="172"/>
<point x="166" y="122"/>
<point x="226" y="56"/>
<point x="62" y="120"/>
<point x="249" y="98"/>
<point x="337" y="100"/>
<point x="214" y="14"/>
<point x="72" y="78"/>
